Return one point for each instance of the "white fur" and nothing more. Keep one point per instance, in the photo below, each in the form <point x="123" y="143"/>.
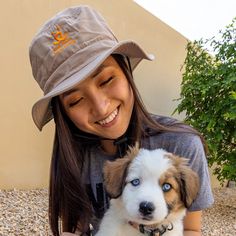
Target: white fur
<point x="148" y="166"/>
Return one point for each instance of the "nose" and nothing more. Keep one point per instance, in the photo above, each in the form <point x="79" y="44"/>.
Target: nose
<point x="99" y="103"/>
<point x="146" y="208"/>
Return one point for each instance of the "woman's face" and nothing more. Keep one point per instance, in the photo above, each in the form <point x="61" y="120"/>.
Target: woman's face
<point x="101" y="104"/>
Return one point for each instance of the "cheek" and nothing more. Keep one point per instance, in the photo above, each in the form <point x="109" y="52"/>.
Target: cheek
<point x="128" y="95"/>
<point x="122" y="91"/>
<point x="173" y="199"/>
<point x="130" y="199"/>
<point x="130" y="98"/>
<point x="80" y="119"/>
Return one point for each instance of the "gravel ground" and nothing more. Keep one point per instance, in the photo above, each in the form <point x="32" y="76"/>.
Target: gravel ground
<point x="221" y="218"/>
<point x="24" y="213"/>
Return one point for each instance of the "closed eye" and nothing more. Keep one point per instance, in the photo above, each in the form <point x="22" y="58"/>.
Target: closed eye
<point x="106" y="81"/>
<point x="71" y="104"/>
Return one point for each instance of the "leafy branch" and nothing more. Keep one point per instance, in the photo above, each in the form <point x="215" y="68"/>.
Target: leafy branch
<point x="208" y="98"/>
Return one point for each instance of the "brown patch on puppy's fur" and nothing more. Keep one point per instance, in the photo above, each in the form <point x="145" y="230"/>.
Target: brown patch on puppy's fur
<point x="172" y="197"/>
<point x="187" y="179"/>
<point x="115" y="172"/>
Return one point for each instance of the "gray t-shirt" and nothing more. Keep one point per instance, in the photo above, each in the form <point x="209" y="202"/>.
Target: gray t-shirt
<point x="182" y="144"/>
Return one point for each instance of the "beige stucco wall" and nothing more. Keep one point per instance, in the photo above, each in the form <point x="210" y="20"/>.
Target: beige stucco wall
<point x="25" y="152"/>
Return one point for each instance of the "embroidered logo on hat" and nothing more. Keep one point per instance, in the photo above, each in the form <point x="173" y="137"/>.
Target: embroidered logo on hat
<point x="62" y="40"/>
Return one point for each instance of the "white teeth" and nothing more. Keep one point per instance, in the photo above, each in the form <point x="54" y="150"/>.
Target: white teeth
<point x="109" y="118"/>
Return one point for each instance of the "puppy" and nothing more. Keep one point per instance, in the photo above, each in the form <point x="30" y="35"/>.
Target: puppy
<point x="150" y="191"/>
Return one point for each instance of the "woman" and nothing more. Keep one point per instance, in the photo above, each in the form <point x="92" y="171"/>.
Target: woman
<point x="86" y="76"/>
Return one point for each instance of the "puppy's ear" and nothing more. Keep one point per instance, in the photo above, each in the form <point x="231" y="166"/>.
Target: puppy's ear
<point x="115" y="172"/>
<point x="188" y="180"/>
<point x="189" y="185"/>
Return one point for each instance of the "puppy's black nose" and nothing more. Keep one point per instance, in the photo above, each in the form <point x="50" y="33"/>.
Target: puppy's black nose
<point x="146" y="208"/>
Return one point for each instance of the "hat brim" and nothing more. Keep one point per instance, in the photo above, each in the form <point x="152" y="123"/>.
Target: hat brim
<point x="42" y="112"/>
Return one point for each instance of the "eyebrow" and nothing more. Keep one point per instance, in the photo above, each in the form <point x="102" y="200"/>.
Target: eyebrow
<point x="97" y="71"/>
<point x="67" y="93"/>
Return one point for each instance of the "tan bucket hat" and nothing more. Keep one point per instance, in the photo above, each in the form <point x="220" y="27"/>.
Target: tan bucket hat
<point x="69" y="48"/>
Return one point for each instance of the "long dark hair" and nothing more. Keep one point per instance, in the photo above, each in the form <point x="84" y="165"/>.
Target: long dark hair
<point x="68" y="200"/>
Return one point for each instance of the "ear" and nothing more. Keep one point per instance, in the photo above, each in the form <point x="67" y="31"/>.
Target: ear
<point x="115" y="172"/>
<point x="189" y="185"/>
<point x="114" y="176"/>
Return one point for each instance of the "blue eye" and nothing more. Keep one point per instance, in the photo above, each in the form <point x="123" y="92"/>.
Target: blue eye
<point x="135" y="182"/>
<point x="166" y="187"/>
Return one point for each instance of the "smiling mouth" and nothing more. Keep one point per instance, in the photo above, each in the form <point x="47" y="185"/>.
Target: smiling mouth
<point x="110" y="118"/>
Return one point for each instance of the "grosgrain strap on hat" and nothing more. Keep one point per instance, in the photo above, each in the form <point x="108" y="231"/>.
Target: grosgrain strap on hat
<point x="69" y="48"/>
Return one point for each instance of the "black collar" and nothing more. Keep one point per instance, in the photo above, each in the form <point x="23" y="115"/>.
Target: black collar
<point x="152" y="230"/>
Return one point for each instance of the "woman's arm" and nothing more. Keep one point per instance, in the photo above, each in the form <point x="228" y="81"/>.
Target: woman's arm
<point x="192" y="223"/>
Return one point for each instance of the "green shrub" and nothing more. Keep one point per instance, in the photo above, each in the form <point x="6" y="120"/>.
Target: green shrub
<point x="208" y="97"/>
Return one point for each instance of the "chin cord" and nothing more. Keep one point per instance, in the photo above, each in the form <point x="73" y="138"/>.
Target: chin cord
<point x="118" y="142"/>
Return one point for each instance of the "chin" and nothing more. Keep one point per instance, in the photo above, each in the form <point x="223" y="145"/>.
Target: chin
<point x="114" y="134"/>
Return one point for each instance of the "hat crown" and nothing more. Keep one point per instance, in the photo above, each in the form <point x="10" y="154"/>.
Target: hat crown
<point x="67" y="33"/>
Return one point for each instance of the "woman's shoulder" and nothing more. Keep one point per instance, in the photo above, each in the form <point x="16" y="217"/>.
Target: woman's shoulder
<point x="183" y="142"/>
<point x="164" y="120"/>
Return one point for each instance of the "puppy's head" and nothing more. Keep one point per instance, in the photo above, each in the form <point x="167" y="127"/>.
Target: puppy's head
<point x="153" y="185"/>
